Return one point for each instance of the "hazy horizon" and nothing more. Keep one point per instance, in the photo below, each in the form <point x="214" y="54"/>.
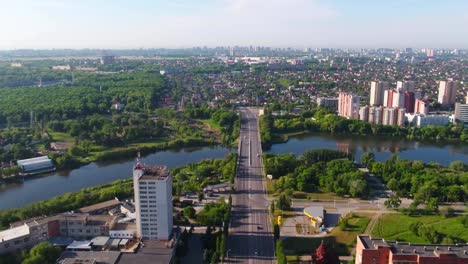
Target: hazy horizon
<point x="117" y="24"/>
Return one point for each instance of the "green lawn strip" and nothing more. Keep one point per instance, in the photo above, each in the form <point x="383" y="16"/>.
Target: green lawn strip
<point x="396" y="227"/>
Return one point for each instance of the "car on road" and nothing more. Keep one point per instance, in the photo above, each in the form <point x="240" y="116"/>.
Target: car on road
<point x="259" y="228"/>
<point x="258" y="155"/>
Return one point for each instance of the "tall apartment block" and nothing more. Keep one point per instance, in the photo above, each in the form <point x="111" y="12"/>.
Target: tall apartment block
<point x="447" y="92"/>
<point x="409" y="101"/>
<point x="153" y="202"/>
<point x="406" y="86"/>
<point x="348" y="105"/>
<point x="394" y="98"/>
<point x="421" y="107"/>
<point x="461" y="112"/>
<point x="377" y="91"/>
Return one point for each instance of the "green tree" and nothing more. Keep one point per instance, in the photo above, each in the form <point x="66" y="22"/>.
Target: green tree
<point x="457" y="165"/>
<point x="189" y="212"/>
<point x="393" y="202"/>
<point x="276" y="231"/>
<point x="367" y="158"/>
<point x="284" y="202"/>
<point x="43" y="253"/>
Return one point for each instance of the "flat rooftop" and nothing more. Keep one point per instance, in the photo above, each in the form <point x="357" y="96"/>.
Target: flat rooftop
<point x="99" y="206"/>
<point x="405" y="248"/>
<point x="153" y="172"/>
<point x="13" y="233"/>
<point x="152" y="252"/>
<point x="314" y="211"/>
<point x="89" y="257"/>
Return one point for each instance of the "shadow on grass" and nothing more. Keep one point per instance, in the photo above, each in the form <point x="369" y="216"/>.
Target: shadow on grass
<point x="307" y="245"/>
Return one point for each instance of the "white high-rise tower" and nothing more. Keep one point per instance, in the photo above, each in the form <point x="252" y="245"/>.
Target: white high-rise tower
<point x="153" y="202"/>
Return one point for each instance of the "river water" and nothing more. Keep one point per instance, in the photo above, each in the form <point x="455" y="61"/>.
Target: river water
<point x="50" y="185"/>
<point x="383" y="148"/>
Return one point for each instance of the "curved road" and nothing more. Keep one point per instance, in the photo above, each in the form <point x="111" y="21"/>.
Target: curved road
<point x="250" y="239"/>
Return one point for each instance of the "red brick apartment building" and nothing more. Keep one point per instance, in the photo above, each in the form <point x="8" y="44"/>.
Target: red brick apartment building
<point x="378" y="251"/>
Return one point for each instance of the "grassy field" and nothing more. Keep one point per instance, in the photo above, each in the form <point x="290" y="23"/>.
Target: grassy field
<point x="59" y="136"/>
<point x="341" y="238"/>
<point x="396" y="227"/>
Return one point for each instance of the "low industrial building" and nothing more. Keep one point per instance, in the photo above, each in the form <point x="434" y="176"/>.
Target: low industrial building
<point x="316" y="215"/>
<point x="82" y="257"/>
<point x="35" y="165"/>
<point x="378" y="251"/>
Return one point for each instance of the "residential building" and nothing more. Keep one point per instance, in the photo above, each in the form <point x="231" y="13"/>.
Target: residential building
<point x="388" y="98"/>
<point x="398" y="99"/>
<point x="447" y="92"/>
<point x="406" y="86"/>
<point x="378" y="115"/>
<point x="379" y="251"/>
<point x="153" y="202"/>
<point x="429" y="52"/>
<point x="389" y="116"/>
<point x="421" y="107"/>
<point x="348" y="105"/>
<point x="409" y="101"/>
<point x="328" y="102"/>
<point x="401" y="117"/>
<point x="461" y="112"/>
<point x="377" y="91"/>
<point x="364" y="113"/>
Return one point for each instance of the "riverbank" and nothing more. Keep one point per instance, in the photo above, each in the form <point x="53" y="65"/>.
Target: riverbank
<point x="202" y="172"/>
<point x="41" y="187"/>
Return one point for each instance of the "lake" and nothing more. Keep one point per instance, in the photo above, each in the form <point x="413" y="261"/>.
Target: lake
<point x="383" y="148"/>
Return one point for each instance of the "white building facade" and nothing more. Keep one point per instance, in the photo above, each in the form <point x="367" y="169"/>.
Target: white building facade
<point x="153" y="202"/>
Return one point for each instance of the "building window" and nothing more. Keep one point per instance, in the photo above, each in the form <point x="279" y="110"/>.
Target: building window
<point x="143" y="183"/>
<point x="7" y="245"/>
<point x="88" y="231"/>
<point x="72" y="230"/>
<point x="17" y="242"/>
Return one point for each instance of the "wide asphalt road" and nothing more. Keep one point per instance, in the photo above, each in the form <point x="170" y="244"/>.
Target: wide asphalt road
<point x="251" y="238"/>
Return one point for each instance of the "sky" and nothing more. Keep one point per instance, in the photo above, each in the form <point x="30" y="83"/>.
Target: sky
<point x="122" y="24"/>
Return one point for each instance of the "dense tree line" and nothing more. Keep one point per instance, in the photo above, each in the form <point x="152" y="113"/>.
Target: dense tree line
<point x="193" y="177"/>
<point x="317" y="170"/>
<point x="425" y="182"/>
<point x="89" y="94"/>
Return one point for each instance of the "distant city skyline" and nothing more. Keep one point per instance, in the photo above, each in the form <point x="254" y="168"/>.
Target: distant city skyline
<point x="119" y="24"/>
